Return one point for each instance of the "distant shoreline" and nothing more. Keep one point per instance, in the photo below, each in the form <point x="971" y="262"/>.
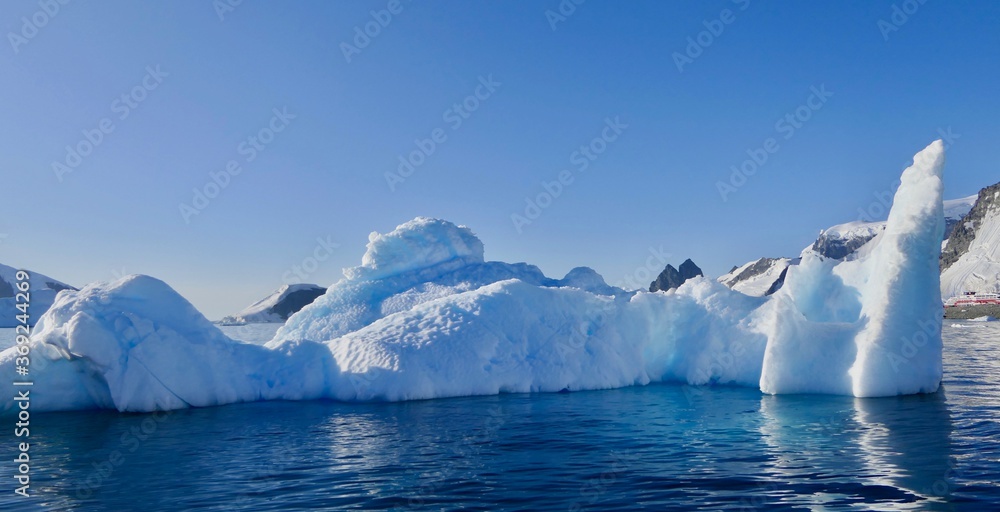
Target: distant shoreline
<point x="970" y="312"/>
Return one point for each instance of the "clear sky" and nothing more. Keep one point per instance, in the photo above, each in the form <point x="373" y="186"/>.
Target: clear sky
<point x="200" y="79"/>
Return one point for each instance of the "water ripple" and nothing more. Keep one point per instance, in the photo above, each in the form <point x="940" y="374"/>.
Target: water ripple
<point x="652" y="448"/>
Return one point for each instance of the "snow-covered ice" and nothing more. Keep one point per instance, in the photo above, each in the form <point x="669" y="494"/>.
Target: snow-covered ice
<point x="426" y="316"/>
<point x="870" y="326"/>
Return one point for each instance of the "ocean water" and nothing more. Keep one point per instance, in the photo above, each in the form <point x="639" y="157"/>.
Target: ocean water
<point x="660" y="447"/>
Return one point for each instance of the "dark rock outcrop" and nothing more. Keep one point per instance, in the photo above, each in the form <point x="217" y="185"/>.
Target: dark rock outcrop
<point x="672" y="278"/>
<point x="949" y="227"/>
<point x="759" y="267"/>
<point x="964" y="231"/>
<point x="668" y="279"/>
<point x="277" y="307"/>
<point x="840" y="247"/>
<point x="295" y="301"/>
<point x="689" y="270"/>
<point x="779" y="283"/>
<point x="759" y="278"/>
<point x="57" y="286"/>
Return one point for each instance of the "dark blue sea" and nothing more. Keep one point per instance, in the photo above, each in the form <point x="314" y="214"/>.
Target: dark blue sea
<point x="661" y="447"/>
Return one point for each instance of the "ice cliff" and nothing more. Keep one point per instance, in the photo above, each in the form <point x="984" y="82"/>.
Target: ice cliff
<point x="426" y="316"/>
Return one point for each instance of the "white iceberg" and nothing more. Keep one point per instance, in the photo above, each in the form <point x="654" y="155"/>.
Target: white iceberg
<point x="425" y="316"/>
<point x="870" y="326"/>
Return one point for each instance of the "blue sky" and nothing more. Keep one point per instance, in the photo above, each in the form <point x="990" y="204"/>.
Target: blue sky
<point x="197" y="87"/>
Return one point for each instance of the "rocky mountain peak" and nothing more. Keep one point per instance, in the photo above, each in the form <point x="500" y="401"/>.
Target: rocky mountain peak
<point x="672" y="278"/>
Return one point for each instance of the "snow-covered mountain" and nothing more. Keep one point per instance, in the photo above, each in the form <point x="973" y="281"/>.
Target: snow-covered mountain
<point x="851" y="240"/>
<point x="42" y="292"/>
<point x="970" y="253"/>
<point x="841" y="241"/>
<point x="970" y="259"/>
<point x="278" y="306"/>
<point x="765" y="276"/>
<point x="759" y="278"/>
<point x="955" y="210"/>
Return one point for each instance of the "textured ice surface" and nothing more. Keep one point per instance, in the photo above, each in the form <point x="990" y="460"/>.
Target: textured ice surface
<point x="426" y="316"/>
<point x="870" y="326"/>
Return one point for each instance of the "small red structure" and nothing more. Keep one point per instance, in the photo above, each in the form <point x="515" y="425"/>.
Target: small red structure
<point x="973" y="299"/>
